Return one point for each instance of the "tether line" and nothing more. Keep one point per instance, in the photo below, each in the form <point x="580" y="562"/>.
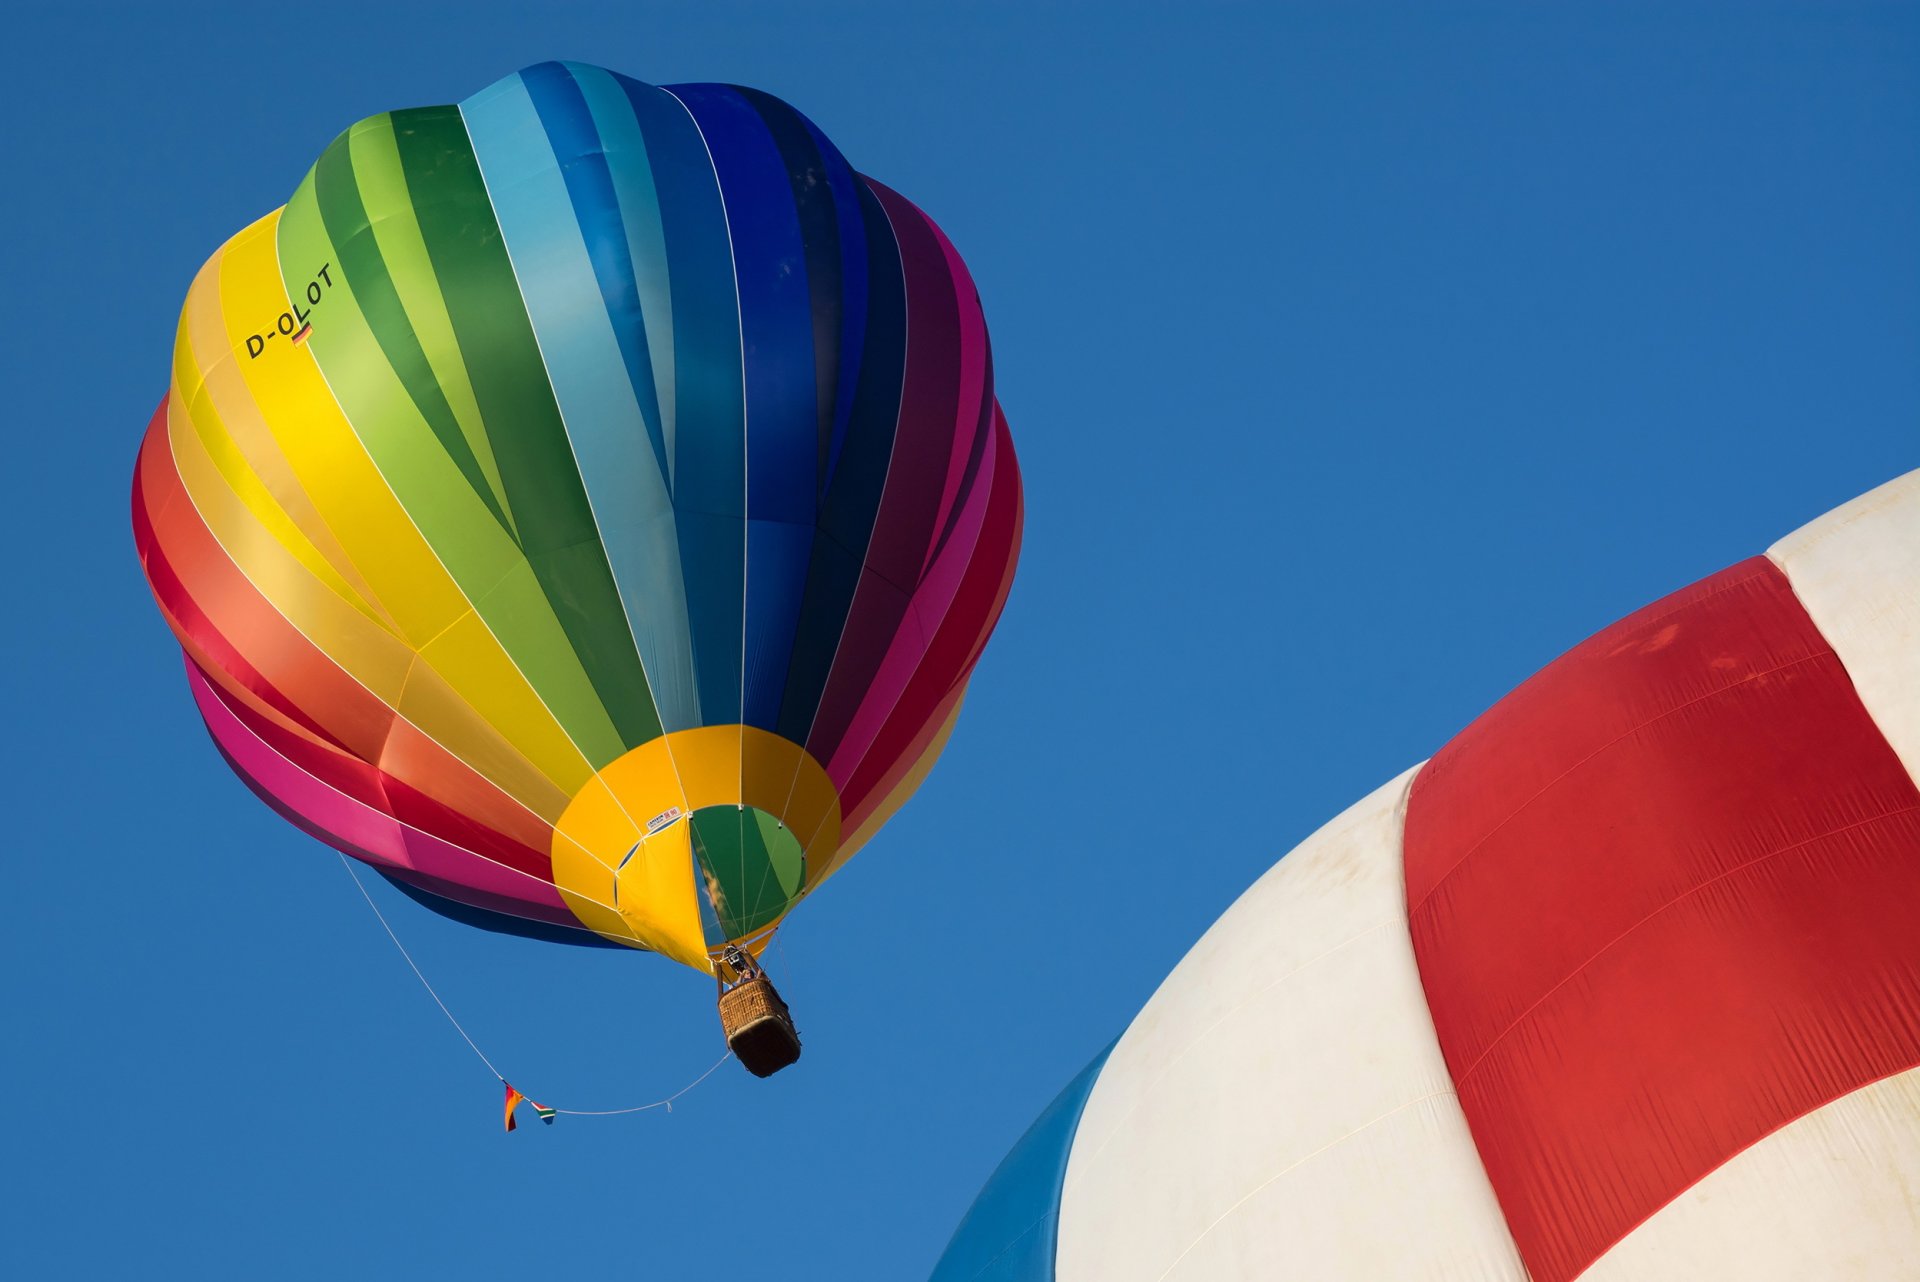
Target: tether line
<point x="474" y="1046"/>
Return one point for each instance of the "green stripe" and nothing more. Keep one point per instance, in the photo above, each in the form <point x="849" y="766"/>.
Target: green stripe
<point x="463" y="531"/>
<point x="516" y="402"/>
<point x="383" y="188"/>
<point x="336" y="185"/>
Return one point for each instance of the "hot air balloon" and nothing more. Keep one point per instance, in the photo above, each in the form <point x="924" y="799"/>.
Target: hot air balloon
<point x="586" y="505"/>
<point x="1623" y="984"/>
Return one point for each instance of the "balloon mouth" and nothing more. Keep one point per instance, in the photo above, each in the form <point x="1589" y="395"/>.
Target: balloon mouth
<point x="752" y="867"/>
<point x="697" y="839"/>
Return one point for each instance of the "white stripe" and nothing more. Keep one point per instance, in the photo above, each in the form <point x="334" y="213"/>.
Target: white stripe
<point x="1857" y="572"/>
<point x="1833" y="1195"/>
<point x="1281" y="1108"/>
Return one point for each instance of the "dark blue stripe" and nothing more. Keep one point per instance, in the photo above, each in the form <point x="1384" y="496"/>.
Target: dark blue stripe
<point x="852" y="242"/>
<point x="853" y="496"/>
<point x="776" y="322"/>
<point x="498" y="923"/>
<point x="820" y="179"/>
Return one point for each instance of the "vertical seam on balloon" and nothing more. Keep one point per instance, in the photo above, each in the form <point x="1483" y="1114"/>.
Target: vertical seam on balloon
<point x="452" y="581"/>
<point x="561" y="413"/>
<point x="746" y="465"/>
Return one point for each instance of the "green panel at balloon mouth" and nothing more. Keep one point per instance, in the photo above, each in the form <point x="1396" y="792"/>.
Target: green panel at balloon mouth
<point x="752" y="863"/>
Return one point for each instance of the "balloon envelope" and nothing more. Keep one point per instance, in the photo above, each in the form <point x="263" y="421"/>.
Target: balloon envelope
<point x="1622" y="985"/>
<point x="585" y="504"/>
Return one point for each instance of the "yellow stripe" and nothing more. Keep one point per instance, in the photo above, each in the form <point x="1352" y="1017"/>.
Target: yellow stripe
<point x="244" y="451"/>
<point x="327" y="459"/>
<point x="375" y="658"/>
<point x="365" y="651"/>
<point x="289" y="401"/>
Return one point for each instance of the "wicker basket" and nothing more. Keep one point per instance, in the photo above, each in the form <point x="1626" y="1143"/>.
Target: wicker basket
<point x="759" y="1027"/>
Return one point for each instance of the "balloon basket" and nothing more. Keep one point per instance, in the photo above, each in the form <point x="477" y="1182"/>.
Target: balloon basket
<point x="759" y="1027"/>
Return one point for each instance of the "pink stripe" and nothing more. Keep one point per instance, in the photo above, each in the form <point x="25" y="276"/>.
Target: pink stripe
<point x="927" y="609"/>
<point x="969" y="422"/>
<point x="358" y="829"/>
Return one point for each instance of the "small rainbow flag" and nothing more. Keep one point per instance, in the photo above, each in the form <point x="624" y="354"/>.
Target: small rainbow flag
<point x="514" y="1099"/>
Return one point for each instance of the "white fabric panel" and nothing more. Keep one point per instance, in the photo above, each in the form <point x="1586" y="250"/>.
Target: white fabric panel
<point x="1280" y="1109"/>
<point x="1857" y="572"/>
<point x="1834" y="1195"/>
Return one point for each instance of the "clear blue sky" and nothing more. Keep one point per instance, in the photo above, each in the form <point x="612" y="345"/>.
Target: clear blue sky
<point x="1360" y="360"/>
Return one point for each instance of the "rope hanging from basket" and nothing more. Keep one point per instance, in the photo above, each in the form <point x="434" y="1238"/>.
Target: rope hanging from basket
<point x="514" y="1097"/>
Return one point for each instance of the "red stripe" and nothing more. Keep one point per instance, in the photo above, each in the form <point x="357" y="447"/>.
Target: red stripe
<point x="285" y="672"/>
<point x="1664" y="899"/>
<point x="160" y="499"/>
<point x="375" y="788"/>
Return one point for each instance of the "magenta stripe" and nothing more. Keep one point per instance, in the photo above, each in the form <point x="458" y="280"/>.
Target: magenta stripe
<point x="969" y="422"/>
<point x="359" y="829"/>
<point x="931" y="601"/>
<point x="917" y="473"/>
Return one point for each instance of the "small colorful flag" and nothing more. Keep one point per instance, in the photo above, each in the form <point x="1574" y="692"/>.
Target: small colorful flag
<point x="514" y="1098"/>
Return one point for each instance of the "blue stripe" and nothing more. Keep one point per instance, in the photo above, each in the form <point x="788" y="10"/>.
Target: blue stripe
<point x="776" y="322"/>
<point x="841" y="181"/>
<point x="625" y="148"/>
<point x="596" y="209"/>
<point x="605" y="424"/>
<point x="859" y="478"/>
<point x="709" y="449"/>
<point x="498" y="923"/>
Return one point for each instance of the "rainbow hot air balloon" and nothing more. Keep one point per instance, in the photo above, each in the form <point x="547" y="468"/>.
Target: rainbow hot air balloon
<point x="586" y="505"/>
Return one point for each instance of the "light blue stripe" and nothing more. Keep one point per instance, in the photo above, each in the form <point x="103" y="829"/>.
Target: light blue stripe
<point x="626" y="151"/>
<point x="609" y="436"/>
<point x="570" y="130"/>
<point x="1011" y="1233"/>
